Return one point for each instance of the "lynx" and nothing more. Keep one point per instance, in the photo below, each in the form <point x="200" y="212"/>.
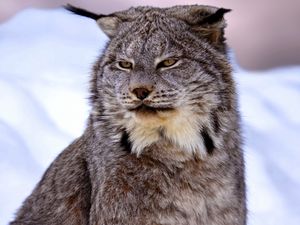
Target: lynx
<point x="162" y="145"/>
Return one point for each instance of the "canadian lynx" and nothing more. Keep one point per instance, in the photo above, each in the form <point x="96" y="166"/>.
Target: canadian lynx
<point x="162" y="144"/>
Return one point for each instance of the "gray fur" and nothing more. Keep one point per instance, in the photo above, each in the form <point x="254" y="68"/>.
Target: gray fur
<point x="175" y="160"/>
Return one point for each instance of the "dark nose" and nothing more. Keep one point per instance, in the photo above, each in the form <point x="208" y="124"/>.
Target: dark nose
<point x="141" y="93"/>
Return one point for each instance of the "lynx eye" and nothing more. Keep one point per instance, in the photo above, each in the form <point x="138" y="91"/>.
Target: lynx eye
<point x="167" y="63"/>
<point x="125" y="65"/>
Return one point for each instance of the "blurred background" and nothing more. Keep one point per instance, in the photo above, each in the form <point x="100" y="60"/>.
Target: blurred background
<point x="46" y="55"/>
<point x="263" y="34"/>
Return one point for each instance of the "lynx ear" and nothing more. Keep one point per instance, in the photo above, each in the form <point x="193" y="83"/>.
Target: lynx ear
<point x="212" y="26"/>
<point x="108" y="23"/>
<point x="206" y="21"/>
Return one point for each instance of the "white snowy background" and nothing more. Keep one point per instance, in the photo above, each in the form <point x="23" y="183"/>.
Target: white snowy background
<point x="45" y="62"/>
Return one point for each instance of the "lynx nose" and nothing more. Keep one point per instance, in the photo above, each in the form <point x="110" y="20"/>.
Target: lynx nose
<point x="141" y="93"/>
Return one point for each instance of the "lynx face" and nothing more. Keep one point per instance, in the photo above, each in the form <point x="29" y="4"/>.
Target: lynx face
<point x="154" y="67"/>
<point x="162" y="74"/>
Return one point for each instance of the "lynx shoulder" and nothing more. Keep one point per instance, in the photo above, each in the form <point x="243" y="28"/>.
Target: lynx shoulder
<point x="163" y="143"/>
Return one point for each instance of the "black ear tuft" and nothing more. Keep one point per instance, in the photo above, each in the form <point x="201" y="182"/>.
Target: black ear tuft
<point x="108" y="23"/>
<point x="82" y="12"/>
<point x="215" y="17"/>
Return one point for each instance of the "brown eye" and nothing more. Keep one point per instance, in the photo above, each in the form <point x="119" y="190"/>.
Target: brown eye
<point x="167" y="63"/>
<point x="125" y="65"/>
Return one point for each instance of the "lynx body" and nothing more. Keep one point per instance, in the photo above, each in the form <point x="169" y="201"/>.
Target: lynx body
<point x="162" y="145"/>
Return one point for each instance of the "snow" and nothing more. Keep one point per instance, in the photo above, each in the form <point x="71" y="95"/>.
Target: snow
<point x="46" y="58"/>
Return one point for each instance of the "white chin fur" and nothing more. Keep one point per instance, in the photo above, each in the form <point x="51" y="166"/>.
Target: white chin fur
<point x="180" y="127"/>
